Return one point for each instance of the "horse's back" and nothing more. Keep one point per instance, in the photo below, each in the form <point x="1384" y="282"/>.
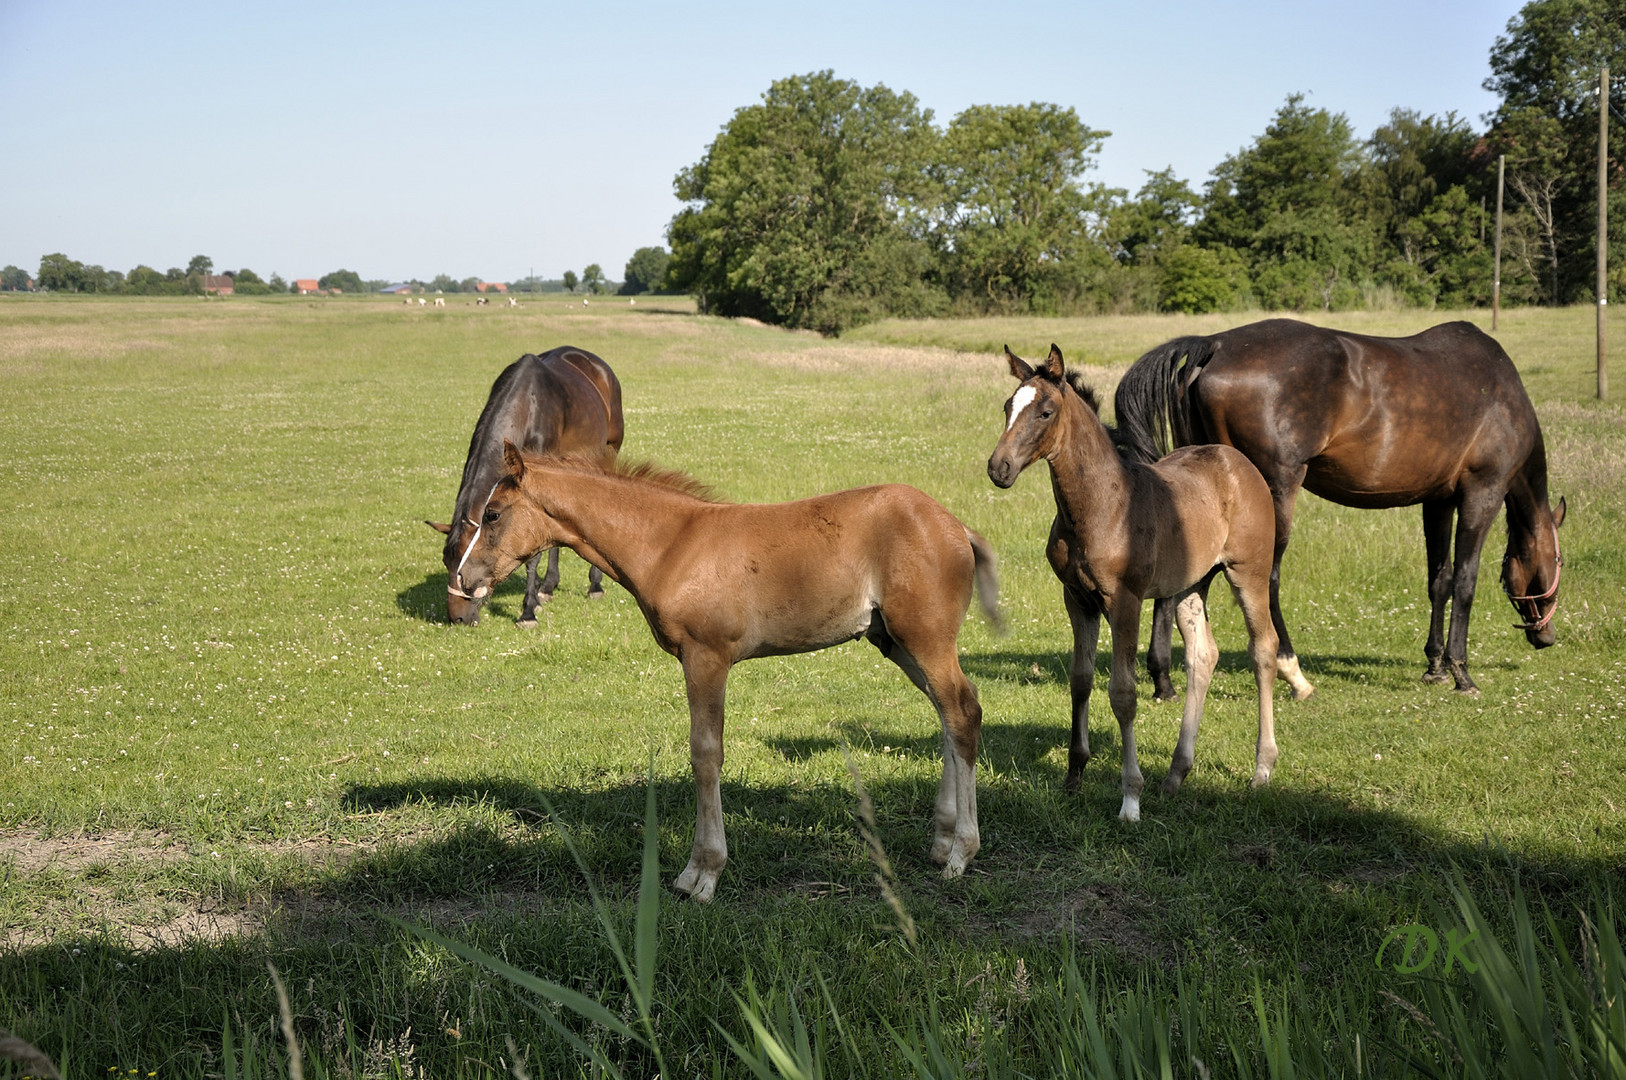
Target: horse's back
<point x="1376" y="421"/>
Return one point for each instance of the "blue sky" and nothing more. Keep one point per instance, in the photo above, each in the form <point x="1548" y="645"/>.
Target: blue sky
<point x="409" y="139"/>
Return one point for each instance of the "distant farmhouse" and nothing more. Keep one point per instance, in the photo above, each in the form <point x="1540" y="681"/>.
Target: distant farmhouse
<point x="307" y="287"/>
<point x="219" y="284"/>
<point x="490" y="286"/>
<point x="398" y="290"/>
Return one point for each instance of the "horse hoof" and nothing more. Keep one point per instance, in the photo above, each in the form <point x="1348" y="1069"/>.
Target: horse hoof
<point x="544" y="598"/>
<point x="1260" y="778"/>
<point x="1075" y="780"/>
<point x="595" y="595"/>
<point x="1468" y="691"/>
<point x="527" y="624"/>
<point x="1164" y="692"/>
<point x="1436" y="678"/>
<point x="1130" y="811"/>
<point x="1171" y="784"/>
<point x="954" y="869"/>
<point x="697" y="886"/>
<point x="1303" y="693"/>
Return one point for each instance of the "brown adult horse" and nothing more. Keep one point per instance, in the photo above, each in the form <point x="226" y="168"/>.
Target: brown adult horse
<point x="1439" y="418"/>
<point x="566" y="401"/>
<point x="720" y="583"/>
<point x="1125" y="531"/>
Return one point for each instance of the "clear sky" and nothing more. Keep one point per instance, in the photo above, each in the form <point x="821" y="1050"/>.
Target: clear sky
<point x="408" y="139"/>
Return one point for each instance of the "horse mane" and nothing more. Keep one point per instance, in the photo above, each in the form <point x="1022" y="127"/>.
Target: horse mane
<point x="642" y="472"/>
<point x="1120" y="441"/>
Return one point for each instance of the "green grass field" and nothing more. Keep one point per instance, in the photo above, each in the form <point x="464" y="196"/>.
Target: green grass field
<point x="240" y="730"/>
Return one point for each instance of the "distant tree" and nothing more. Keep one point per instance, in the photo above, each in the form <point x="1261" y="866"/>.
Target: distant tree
<point x="570" y="281"/>
<point x="645" y="271"/>
<point x="1545" y="71"/>
<point x="1159" y="220"/>
<point x="344" y="280"/>
<point x="59" y="273"/>
<point x="1017" y="219"/>
<point x="443" y="283"/>
<point x="200" y="264"/>
<point x="1290" y="203"/>
<point x="809" y="208"/>
<point x="593" y="278"/>
<point x="13" y="279"/>
<point x="277" y="284"/>
<point x="247" y="283"/>
<point x="471" y="284"/>
<point x="1197" y="279"/>
<point x="145" y="281"/>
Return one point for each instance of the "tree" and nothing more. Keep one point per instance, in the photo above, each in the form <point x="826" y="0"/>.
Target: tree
<point x="58" y="273"/>
<point x="593" y="278"/>
<point x="13" y="279"/>
<point x="1015" y="227"/>
<point x="469" y="285"/>
<point x="1545" y="71"/>
<point x="809" y="208"/>
<point x="1159" y="220"/>
<point x="347" y="281"/>
<point x="1289" y="204"/>
<point x="277" y="284"/>
<point x="145" y="281"/>
<point x="200" y="265"/>
<point x="645" y="271"/>
<point x="570" y="281"/>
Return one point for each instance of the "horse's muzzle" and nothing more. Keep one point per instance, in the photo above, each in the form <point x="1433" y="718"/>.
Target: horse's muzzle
<point x="463" y="609"/>
<point x="1002" y="473"/>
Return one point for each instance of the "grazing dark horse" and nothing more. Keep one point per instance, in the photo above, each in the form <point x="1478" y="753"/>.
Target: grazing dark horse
<point x="1438" y="418"/>
<point x="1125" y="531"/>
<point x="720" y="583"/>
<point x="566" y="401"/>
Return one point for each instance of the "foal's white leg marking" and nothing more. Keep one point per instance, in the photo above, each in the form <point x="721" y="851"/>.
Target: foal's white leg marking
<point x="1202" y="655"/>
<point x="966" y="838"/>
<point x="1020" y="400"/>
<point x="1288" y="668"/>
<point x="946" y="813"/>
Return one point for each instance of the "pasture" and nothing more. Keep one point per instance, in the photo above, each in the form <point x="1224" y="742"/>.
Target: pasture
<point x="241" y="730"/>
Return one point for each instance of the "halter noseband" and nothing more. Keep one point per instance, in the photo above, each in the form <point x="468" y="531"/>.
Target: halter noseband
<point x="1558" y="572"/>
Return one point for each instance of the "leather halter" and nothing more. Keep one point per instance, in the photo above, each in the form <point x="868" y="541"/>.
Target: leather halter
<point x="1558" y="572"/>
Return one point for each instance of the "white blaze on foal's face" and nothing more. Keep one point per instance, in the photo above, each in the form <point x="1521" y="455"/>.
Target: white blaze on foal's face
<point x="1020" y="400"/>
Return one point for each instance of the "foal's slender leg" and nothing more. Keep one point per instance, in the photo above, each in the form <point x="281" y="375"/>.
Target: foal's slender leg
<point x="1253" y="598"/>
<point x="1160" y="650"/>
<point x="1123" y="615"/>
<point x="551" y="582"/>
<point x="934" y="667"/>
<point x="706" y="677"/>
<point x="1202" y="655"/>
<point x="527" y="612"/>
<point x="1085" y="615"/>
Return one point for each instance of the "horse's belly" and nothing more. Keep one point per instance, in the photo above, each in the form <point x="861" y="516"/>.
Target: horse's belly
<point x="1376" y="490"/>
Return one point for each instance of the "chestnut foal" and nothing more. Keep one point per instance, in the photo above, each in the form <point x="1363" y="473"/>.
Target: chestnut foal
<point x="1124" y="532"/>
<point x="721" y="582"/>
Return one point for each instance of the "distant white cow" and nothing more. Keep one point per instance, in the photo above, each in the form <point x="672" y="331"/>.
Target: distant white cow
<point x="584" y="301"/>
<point x="440" y="301"/>
<point x="422" y="301"/>
<point x="483" y="300"/>
<point x="512" y="302"/>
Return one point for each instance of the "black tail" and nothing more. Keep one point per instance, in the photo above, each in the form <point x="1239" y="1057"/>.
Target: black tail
<point x="1150" y="401"/>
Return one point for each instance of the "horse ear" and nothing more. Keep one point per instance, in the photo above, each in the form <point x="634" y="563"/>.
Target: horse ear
<point x="1019" y="367"/>
<point x="1558" y="515"/>
<point x="1054" y="369"/>
<point x="440" y="527"/>
<point x="512" y="461"/>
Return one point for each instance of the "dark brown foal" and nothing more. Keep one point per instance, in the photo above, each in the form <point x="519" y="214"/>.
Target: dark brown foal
<point x="1124" y="532"/>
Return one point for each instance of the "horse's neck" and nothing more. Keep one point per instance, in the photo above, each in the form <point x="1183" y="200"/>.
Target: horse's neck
<point x="1086" y="471"/>
<point x="623" y="527"/>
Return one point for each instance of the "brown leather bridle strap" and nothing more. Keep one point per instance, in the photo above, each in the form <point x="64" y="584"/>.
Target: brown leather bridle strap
<point x="1558" y="572"/>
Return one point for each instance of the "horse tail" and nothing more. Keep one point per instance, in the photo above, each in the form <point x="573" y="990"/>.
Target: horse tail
<point x="1150" y="401"/>
<point x="987" y="579"/>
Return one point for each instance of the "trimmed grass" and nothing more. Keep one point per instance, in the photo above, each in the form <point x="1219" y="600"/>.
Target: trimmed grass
<point x="240" y="732"/>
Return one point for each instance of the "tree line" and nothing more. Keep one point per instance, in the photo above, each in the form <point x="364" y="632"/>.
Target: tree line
<point x="829" y="203"/>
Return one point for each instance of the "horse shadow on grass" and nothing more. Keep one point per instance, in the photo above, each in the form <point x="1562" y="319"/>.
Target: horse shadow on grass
<point x="1295" y="880"/>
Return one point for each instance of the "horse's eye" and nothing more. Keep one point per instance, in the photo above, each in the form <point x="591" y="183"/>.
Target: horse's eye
<point x="1047" y="414"/>
<point x="490" y="517"/>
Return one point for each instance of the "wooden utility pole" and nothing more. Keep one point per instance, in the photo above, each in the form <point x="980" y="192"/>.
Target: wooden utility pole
<point x="1496" y="272"/>
<point x="1603" y="227"/>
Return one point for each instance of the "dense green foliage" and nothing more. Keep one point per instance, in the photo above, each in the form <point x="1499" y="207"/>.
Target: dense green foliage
<point x="239" y="731"/>
<point x="646" y="271"/>
<point x="829" y="204"/>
